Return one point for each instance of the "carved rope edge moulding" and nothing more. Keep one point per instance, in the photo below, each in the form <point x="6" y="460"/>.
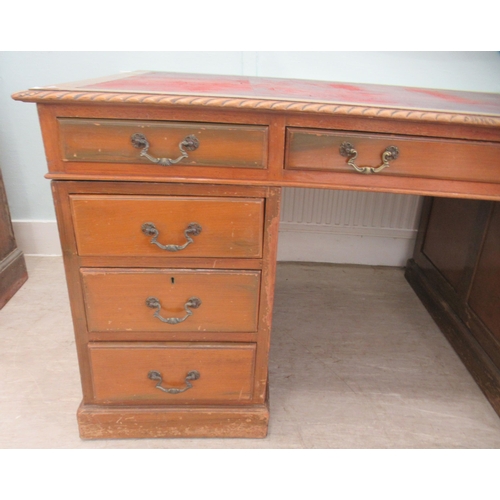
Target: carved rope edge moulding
<point x="264" y="104"/>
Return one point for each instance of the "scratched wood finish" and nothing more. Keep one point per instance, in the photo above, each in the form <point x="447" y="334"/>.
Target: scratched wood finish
<point x="424" y="158"/>
<point x="96" y="421"/>
<point x="293" y="96"/>
<point x="111" y="225"/>
<point x="160" y="421"/>
<point x="115" y="300"/>
<point x="275" y="174"/>
<point x="110" y="141"/>
<point x="449" y="145"/>
<point x="120" y="372"/>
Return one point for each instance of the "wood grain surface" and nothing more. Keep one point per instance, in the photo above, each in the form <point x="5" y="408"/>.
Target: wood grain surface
<point x="485" y="293"/>
<point x="423" y="158"/>
<point x="120" y="372"/>
<point x="110" y="141"/>
<point x="115" y="300"/>
<point x="105" y="422"/>
<point x="111" y="225"/>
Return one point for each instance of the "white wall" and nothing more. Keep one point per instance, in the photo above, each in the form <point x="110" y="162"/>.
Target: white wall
<point x="22" y="157"/>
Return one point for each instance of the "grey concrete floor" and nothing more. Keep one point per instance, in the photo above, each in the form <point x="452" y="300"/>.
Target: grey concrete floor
<point x="356" y="362"/>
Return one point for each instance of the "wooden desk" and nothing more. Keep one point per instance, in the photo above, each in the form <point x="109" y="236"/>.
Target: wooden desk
<point x="167" y="190"/>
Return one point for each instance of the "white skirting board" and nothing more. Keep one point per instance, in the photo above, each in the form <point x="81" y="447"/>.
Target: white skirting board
<point x="303" y="245"/>
<point x="316" y="226"/>
<point x="37" y="237"/>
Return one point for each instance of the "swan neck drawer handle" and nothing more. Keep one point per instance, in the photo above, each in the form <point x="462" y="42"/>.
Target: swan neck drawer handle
<point x="347" y="150"/>
<point x="149" y="229"/>
<point x="190" y="143"/>
<point x="192" y="303"/>
<point x="156" y="376"/>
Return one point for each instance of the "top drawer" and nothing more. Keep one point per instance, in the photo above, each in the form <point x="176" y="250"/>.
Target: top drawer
<point x="215" y="145"/>
<point x="309" y="149"/>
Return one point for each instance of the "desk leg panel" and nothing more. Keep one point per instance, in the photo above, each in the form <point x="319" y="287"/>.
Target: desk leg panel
<point x="271" y="228"/>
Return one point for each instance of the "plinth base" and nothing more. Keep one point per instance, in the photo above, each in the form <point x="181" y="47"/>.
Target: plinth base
<point x="98" y="422"/>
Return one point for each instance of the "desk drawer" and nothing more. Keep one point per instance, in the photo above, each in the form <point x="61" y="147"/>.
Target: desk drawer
<point x="115" y="225"/>
<point x="136" y="300"/>
<point x="133" y="373"/>
<point x="215" y="145"/>
<point x="428" y="158"/>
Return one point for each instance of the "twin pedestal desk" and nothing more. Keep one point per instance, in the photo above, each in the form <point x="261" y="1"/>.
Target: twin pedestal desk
<point x="167" y="193"/>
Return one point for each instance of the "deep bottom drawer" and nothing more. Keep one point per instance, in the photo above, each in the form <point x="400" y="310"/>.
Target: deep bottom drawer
<point x="161" y="373"/>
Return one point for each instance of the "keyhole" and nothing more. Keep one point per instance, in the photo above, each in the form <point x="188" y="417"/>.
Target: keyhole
<point x="172" y="280"/>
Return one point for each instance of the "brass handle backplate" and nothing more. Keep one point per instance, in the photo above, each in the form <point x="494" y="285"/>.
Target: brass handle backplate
<point x="189" y="143"/>
<point x="155" y="375"/>
<point x="149" y="229"/>
<point x="192" y="303"/>
<point x="347" y="150"/>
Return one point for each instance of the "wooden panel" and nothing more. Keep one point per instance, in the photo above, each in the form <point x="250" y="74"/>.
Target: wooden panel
<point x="13" y="275"/>
<point x="109" y="141"/>
<point x="485" y="293"/>
<point x="478" y="361"/>
<point x="448" y="237"/>
<point x="427" y="158"/>
<point x="12" y="264"/>
<point x="115" y="299"/>
<point x="112" y="422"/>
<point x="460" y="251"/>
<point x="120" y="372"/>
<point x="7" y="240"/>
<point x="111" y="225"/>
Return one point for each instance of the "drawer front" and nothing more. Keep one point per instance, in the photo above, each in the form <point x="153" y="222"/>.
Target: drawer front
<point x="134" y="373"/>
<point x="429" y="158"/>
<point x="158" y="300"/>
<point x="108" y="225"/>
<point x="109" y="141"/>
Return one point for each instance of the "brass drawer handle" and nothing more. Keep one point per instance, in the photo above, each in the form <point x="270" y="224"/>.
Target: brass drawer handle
<point x="190" y="143"/>
<point x="347" y="150"/>
<point x="192" y="375"/>
<point x="154" y="303"/>
<point x="149" y="229"/>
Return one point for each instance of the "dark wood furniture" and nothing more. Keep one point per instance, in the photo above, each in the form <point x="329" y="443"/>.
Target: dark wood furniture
<point x="12" y="264"/>
<point x="167" y="191"/>
<point x="456" y="273"/>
